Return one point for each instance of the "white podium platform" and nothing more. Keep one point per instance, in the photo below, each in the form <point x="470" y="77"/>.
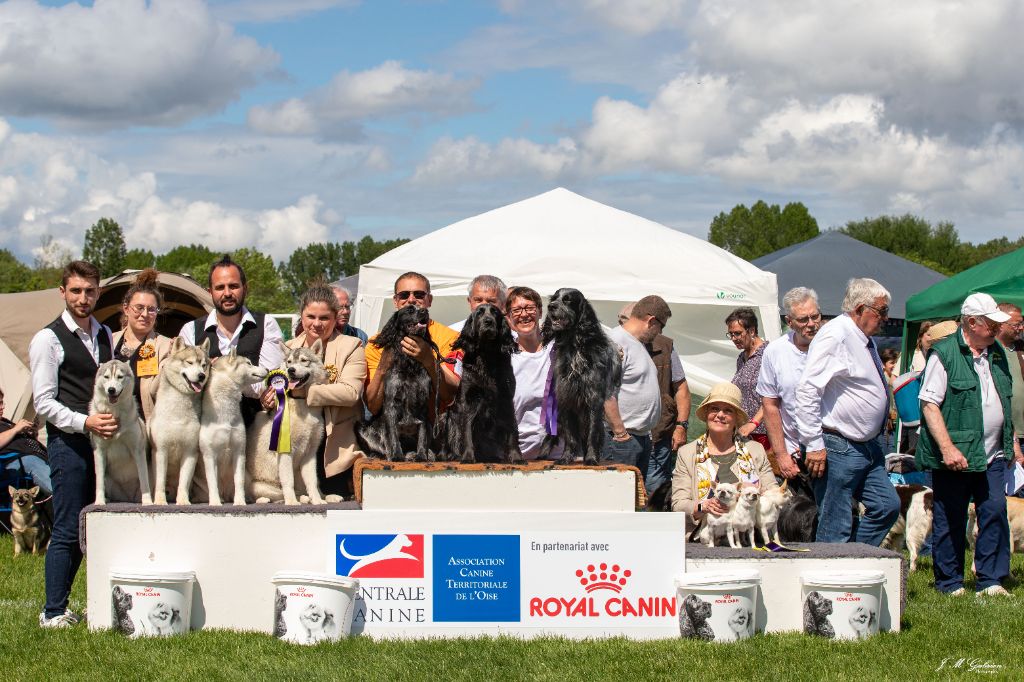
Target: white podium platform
<point x="545" y="529"/>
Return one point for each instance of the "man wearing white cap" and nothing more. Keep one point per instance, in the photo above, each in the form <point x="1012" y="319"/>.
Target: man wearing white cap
<point x="966" y="443"/>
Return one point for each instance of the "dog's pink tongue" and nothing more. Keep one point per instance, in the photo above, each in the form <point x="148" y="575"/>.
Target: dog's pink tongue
<point x="196" y="387"/>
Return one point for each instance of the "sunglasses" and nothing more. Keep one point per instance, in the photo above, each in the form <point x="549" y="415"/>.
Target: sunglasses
<point x="883" y="312"/>
<point x="419" y="295"/>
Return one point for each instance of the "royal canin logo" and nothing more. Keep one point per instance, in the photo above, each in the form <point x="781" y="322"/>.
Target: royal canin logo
<point x="595" y="578"/>
<point x="849" y="597"/>
<point x="600" y="577"/>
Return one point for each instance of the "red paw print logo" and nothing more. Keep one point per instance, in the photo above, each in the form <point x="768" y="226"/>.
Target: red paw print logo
<point x="603" y="577"/>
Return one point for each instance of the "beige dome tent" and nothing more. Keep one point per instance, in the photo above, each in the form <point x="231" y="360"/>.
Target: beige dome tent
<point x="28" y="312"/>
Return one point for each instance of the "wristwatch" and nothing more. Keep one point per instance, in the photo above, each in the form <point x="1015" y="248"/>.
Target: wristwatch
<point x="685" y="424"/>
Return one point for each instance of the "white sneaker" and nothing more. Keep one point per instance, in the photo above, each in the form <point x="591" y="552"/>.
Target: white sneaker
<point x="62" y="621"/>
<point x="993" y="591"/>
<point x="74" y="617"/>
<point x="958" y="592"/>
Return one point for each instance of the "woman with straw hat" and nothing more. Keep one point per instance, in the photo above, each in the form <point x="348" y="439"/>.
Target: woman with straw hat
<point x="721" y="455"/>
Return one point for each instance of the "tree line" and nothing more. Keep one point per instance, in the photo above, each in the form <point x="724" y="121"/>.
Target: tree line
<point x="762" y="229"/>
<point x="273" y="287"/>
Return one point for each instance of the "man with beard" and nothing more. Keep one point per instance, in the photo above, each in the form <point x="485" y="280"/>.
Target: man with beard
<point x="781" y="367"/>
<point x="231" y="325"/>
<point x="64" y="357"/>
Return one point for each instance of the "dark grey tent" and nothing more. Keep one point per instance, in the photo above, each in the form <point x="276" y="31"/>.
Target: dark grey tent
<point x="827" y="262"/>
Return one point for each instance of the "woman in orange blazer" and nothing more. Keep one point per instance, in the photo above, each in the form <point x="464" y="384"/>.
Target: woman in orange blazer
<point x="346" y="365"/>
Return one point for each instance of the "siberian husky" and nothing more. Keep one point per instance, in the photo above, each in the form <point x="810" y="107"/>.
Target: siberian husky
<point x="221" y="431"/>
<point x="174" y="427"/>
<point x="270" y="476"/>
<point x="121" y="467"/>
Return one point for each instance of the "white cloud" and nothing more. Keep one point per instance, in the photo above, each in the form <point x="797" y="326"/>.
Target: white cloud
<point x="123" y="62"/>
<point x="386" y="90"/>
<point x="452" y="160"/>
<point x="943" y="67"/>
<point x="267" y="11"/>
<point x="639" y="16"/>
<point x="54" y="187"/>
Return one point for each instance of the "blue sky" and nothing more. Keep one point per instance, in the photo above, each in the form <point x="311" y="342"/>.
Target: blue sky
<point x="274" y="124"/>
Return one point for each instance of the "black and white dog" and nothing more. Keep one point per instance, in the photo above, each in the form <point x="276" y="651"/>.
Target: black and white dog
<point x="404" y="427"/>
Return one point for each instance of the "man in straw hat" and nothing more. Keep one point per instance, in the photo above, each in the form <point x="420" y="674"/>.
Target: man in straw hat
<point x="842" y="404"/>
<point x="967" y="444"/>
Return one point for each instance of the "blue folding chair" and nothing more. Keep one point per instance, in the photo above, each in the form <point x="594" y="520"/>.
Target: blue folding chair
<point x="19" y="478"/>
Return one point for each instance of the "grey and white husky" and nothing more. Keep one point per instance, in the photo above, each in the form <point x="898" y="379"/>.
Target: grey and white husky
<point x="174" y="426"/>
<point x="121" y="468"/>
<point x="221" y="430"/>
<point x="271" y="476"/>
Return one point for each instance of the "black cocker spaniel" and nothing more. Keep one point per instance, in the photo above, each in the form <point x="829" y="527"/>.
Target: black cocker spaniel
<point x="481" y="424"/>
<point x="587" y="370"/>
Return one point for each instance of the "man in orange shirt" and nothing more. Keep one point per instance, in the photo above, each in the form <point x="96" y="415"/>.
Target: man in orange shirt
<point x="411" y="288"/>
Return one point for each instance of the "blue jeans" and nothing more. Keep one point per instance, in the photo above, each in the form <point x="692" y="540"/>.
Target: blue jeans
<point x="635" y="452"/>
<point x="660" y="464"/>
<point x="854" y="471"/>
<point x="37" y="468"/>
<point x="74" y="487"/>
<point x="952" y="492"/>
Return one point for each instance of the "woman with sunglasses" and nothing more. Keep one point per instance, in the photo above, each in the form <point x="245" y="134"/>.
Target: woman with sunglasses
<point x="531" y="365"/>
<point x="137" y="342"/>
<point x="741" y="329"/>
<point x="721" y="455"/>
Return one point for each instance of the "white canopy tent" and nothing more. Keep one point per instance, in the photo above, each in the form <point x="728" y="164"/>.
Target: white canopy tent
<point x="561" y="239"/>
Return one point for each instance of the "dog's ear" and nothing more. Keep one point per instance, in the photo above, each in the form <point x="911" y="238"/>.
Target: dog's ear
<point x="11" y="491"/>
<point x="388" y="336"/>
<point x="587" y="323"/>
<point x="508" y="342"/>
<point x="234" y="352"/>
<point x="205" y="345"/>
<point x="177" y="344"/>
<point x="467" y="340"/>
<point x="175" y="616"/>
<point x="283" y="346"/>
<point x="34" y="491"/>
<point x="317" y="347"/>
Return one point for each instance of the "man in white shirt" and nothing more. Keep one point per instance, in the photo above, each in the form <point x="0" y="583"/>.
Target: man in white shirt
<point x="782" y="365"/>
<point x="231" y="325"/>
<point x="842" y="402"/>
<point x="64" y="357"/>
<point x="634" y="411"/>
<point x="967" y="444"/>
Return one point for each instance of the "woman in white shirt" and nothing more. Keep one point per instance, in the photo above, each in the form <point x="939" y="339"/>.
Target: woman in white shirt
<point x="531" y="365"/>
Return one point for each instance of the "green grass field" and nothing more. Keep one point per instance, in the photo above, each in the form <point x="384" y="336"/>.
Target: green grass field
<point x="987" y="632"/>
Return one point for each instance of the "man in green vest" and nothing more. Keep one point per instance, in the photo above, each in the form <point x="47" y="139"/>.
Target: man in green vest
<point x="967" y="444"/>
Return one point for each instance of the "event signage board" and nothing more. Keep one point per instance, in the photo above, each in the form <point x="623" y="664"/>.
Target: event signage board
<point x="530" y="573"/>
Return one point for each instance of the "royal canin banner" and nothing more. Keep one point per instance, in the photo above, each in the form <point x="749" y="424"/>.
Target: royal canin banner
<point x="577" y="574"/>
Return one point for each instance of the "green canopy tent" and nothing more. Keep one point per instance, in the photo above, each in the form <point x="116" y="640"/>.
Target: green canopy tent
<point x="1002" y="278"/>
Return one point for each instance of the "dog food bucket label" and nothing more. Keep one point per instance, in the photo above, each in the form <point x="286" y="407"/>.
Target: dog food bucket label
<point x="312" y="607"/>
<point x="149" y="604"/>
<point x="718" y="606"/>
<point x="842" y="605"/>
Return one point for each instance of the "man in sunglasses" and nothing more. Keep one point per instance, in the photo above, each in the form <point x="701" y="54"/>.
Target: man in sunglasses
<point x="967" y="443"/>
<point x="412" y="288"/>
<point x="842" y="405"/>
<point x="782" y="365"/>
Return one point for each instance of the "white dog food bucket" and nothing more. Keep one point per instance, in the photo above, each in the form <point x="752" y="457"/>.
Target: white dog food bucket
<point x="717" y="606"/>
<point x="151" y="604"/>
<point x="313" y="607"/>
<point x="843" y="604"/>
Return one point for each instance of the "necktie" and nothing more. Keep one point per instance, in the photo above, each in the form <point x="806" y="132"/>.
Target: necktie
<point x="873" y="352"/>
